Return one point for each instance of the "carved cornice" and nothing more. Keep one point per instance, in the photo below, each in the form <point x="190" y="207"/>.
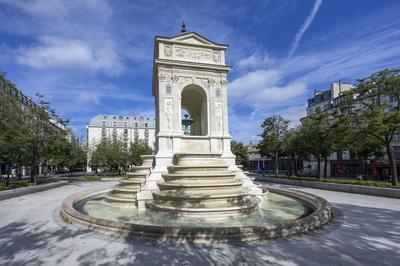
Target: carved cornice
<point x="172" y="63"/>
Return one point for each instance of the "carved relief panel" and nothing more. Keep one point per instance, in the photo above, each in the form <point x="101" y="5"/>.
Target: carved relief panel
<point x="168" y="113"/>
<point x="193" y="54"/>
<point x="218" y="117"/>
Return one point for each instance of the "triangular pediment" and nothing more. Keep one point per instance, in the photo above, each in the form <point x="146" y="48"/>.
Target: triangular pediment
<point x="192" y="38"/>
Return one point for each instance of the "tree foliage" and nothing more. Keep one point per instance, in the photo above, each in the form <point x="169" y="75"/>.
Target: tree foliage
<point x="137" y="149"/>
<point x="375" y="107"/>
<point x="241" y="153"/>
<point x="110" y="156"/>
<point x="365" y="124"/>
<point x="33" y="135"/>
<point x="272" y="138"/>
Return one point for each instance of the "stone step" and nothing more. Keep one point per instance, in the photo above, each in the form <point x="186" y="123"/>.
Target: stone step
<point x="136" y="174"/>
<point x="205" y="185"/>
<point x="201" y="181"/>
<point x="197" y="196"/>
<point x="176" y="169"/>
<point x="201" y="201"/>
<point x="117" y="199"/>
<point x="132" y="181"/>
<point x="141" y="167"/>
<point x="125" y="189"/>
<point x="200" y="176"/>
<point x="147" y="160"/>
<point x="182" y="159"/>
<point x="205" y="212"/>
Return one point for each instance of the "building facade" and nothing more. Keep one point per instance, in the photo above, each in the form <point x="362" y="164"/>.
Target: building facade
<point x="127" y="129"/>
<point x="344" y="163"/>
<point x="327" y="99"/>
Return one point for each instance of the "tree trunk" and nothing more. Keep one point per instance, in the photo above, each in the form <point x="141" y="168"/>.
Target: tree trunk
<point x="318" y="166"/>
<point x="8" y="176"/>
<point x="33" y="175"/>
<point x="365" y="167"/>
<point x="276" y="164"/>
<point x="294" y="165"/>
<point x="325" y="166"/>
<point x="392" y="164"/>
<point x="19" y="172"/>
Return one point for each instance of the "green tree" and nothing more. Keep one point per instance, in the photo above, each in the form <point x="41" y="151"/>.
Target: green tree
<point x="12" y="135"/>
<point x="111" y="156"/>
<point x="272" y="138"/>
<point x="136" y="149"/>
<point x="376" y="105"/>
<point x="295" y="147"/>
<point x="318" y="131"/>
<point x="42" y="126"/>
<point x="241" y="153"/>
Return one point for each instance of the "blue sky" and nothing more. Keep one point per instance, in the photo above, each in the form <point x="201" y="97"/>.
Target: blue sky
<point x="95" y="57"/>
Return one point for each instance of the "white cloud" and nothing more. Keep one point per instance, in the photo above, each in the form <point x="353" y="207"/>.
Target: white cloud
<point x="304" y="27"/>
<point x="255" y="61"/>
<point x="293" y="114"/>
<point x="261" y="87"/>
<point x="58" y="52"/>
<point x="88" y="97"/>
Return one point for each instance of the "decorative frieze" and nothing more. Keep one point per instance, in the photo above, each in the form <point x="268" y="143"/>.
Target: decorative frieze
<point x="193" y="54"/>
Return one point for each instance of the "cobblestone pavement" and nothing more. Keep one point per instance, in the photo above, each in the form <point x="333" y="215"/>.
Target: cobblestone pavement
<point x="366" y="231"/>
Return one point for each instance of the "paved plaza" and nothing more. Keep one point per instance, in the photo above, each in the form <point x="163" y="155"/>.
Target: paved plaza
<point x="366" y="232"/>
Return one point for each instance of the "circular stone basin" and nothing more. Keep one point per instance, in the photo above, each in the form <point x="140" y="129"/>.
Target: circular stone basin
<point x="281" y="213"/>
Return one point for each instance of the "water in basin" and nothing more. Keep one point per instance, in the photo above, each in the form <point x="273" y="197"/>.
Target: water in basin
<point x="273" y="208"/>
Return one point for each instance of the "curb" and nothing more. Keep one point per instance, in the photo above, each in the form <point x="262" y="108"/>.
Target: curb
<point x="12" y="193"/>
<point x="110" y="179"/>
<point x="357" y="189"/>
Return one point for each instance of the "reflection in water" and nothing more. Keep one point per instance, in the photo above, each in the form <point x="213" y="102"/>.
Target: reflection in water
<point x="273" y="209"/>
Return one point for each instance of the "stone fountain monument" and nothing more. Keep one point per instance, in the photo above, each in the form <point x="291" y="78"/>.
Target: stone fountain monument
<point x="194" y="171"/>
<point x="191" y="189"/>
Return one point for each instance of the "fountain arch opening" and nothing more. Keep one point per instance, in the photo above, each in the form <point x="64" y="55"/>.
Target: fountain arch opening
<point x="194" y="102"/>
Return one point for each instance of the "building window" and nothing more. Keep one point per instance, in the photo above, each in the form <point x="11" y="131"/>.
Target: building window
<point x="145" y="124"/>
<point x="114" y="124"/>
<point x="125" y="124"/>
<point x="339" y="155"/>
<point x="136" y="124"/>
<point x="217" y="92"/>
<point x="136" y="135"/>
<point x="103" y="123"/>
